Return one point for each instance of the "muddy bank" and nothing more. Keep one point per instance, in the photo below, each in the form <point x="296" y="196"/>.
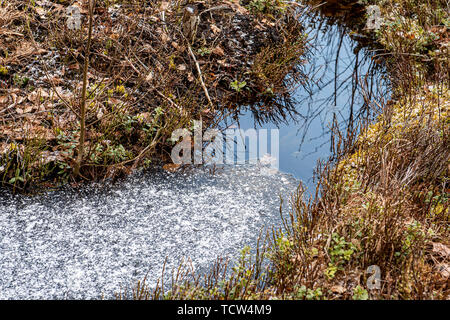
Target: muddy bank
<point x="153" y="67"/>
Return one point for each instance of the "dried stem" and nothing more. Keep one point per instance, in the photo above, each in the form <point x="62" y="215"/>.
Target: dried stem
<point x="83" y="94"/>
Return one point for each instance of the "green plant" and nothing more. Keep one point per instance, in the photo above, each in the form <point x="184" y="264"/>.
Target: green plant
<point x="341" y="251"/>
<point x="20" y="81"/>
<point x="237" y="85"/>
<point x="3" y="71"/>
<point x="204" y="51"/>
<point x="330" y="272"/>
<point x="302" y="293"/>
<point x="117" y="153"/>
<point x="267" y="6"/>
<point x="359" y="293"/>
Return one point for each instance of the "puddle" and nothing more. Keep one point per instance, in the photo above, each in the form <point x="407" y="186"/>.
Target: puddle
<point x="306" y="138"/>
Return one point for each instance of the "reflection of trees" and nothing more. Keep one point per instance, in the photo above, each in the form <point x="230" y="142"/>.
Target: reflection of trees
<point x="343" y="80"/>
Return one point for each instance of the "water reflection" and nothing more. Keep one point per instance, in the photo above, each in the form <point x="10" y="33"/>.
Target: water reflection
<point x="343" y="78"/>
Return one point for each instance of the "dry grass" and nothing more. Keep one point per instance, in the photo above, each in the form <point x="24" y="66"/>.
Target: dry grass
<point x="383" y="201"/>
<point x="148" y="75"/>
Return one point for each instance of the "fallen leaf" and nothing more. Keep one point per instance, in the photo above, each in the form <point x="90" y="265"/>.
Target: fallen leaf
<point x="55" y="81"/>
<point x="41" y="12"/>
<point x="338" y="289"/>
<point x="235" y="5"/>
<point x="36" y="95"/>
<point x="74" y="66"/>
<point x="175" y="45"/>
<point x="164" y="5"/>
<point x="149" y="76"/>
<point x="215" y="29"/>
<point x="219" y="51"/>
<point x="28" y="109"/>
<point x="171" y="167"/>
<point x="444" y="269"/>
<point x="441" y="249"/>
<point x="4" y="99"/>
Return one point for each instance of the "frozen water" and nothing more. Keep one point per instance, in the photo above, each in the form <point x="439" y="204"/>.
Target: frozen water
<point x="97" y="241"/>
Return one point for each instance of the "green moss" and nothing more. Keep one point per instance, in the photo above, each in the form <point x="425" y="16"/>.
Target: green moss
<point x="3" y="71"/>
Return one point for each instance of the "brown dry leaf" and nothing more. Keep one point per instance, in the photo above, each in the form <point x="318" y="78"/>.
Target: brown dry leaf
<point x="59" y="92"/>
<point x="223" y="63"/>
<point x="19" y="100"/>
<point x="4" y="99"/>
<point x="55" y="81"/>
<point x="42" y="132"/>
<point x="115" y="36"/>
<point x="6" y="132"/>
<point x="235" y="5"/>
<point x="338" y="289"/>
<point x="444" y="269"/>
<point x="27" y="48"/>
<point x="41" y="12"/>
<point x="219" y="51"/>
<point x="115" y="101"/>
<point x="165" y="37"/>
<point x="4" y="147"/>
<point x="163" y="34"/>
<point x="215" y="29"/>
<point x="356" y="243"/>
<point x="37" y="94"/>
<point x="182" y="67"/>
<point x="175" y="45"/>
<point x="441" y="249"/>
<point x="14" y="98"/>
<point x="45" y="106"/>
<point x="258" y="27"/>
<point x="144" y="117"/>
<point x="83" y="9"/>
<point x="164" y="5"/>
<point x="171" y="167"/>
<point x="28" y="109"/>
<point x="267" y="22"/>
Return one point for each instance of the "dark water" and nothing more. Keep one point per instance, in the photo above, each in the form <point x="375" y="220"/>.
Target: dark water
<point x="339" y="69"/>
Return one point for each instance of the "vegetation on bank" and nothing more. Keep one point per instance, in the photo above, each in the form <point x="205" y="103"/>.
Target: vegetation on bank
<point x="383" y="201"/>
<point x="152" y="67"/>
<point x="155" y="66"/>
